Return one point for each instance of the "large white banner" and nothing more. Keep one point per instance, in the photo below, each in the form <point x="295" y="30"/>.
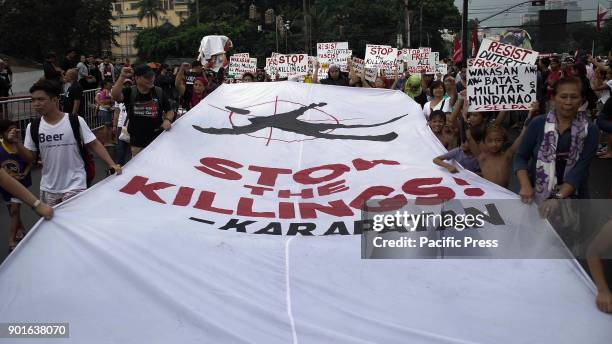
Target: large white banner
<point x="241" y="225"/>
<point x="502" y="88"/>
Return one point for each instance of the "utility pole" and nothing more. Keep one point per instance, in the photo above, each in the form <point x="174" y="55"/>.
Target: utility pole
<point x="421" y="26"/>
<point x="197" y="11"/>
<point x="464" y="31"/>
<point x="307" y="27"/>
<point x="407" y="23"/>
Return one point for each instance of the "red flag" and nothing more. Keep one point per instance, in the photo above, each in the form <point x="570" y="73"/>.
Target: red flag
<point x="475" y="40"/>
<point x="601" y="14"/>
<point x="457" y="53"/>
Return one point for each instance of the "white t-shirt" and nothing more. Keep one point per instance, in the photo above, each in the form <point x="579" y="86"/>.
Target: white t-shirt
<point x="445" y="102"/>
<point x="63" y="168"/>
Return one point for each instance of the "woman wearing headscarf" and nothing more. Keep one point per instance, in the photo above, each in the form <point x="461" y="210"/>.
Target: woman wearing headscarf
<point x="412" y="88"/>
<point x="193" y="95"/>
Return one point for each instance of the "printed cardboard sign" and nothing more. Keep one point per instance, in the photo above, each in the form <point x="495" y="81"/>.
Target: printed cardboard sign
<point x="504" y="88"/>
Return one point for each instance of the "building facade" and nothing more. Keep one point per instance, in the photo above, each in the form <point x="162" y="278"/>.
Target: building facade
<point x="127" y="25"/>
<point x="574" y="12"/>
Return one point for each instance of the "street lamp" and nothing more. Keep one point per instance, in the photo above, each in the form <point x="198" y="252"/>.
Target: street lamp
<point x="269" y="16"/>
<point x="287" y="27"/>
<point x="278" y="22"/>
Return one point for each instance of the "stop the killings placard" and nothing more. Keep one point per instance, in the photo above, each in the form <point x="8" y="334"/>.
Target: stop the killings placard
<point x="496" y="54"/>
<point x="293" y="64"/>
<point x="380" y="56"/>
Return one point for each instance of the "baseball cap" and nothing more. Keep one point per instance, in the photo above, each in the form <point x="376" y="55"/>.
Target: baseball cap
<point x="143" y="70"/>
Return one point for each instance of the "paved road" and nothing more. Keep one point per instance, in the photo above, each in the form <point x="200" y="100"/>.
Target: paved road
<point x="22" y="81"/>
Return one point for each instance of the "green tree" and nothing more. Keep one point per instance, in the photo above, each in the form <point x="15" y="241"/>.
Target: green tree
<point x="150" y="9"/>
<point x="93" y="26"/>
<point x="32" y="28"/>
<point x="359" y="22"/>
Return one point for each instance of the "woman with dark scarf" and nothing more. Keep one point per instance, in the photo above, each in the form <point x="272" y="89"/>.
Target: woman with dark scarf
<point x="553" y="158"/>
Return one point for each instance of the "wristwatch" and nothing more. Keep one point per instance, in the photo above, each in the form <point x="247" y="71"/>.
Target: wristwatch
<point x="36" y="204"/>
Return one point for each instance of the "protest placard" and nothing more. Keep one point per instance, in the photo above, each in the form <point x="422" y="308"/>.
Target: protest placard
<point x="312" y="61"/>
<point x="420" y="60"/>
<point x="282" y="65"/>
<point x="496" y="54"/>
<point x="334" y="53"/>
<point x="292" y="65"/>
<point x="297" y="64"/>
<point x="503" y="88"/>
<point x="380" y="56"/>
<point x="240" y="64"/>
<point x="442" y="68"/>
<point x="358" y="66"/>
<point x="268" y="67"/>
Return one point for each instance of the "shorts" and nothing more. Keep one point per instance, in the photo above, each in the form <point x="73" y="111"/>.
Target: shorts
<point x="106" y="117"/>
<point x="142" y="140"/>
<point x="10" y="199"/>
<point x="52" y="198"/>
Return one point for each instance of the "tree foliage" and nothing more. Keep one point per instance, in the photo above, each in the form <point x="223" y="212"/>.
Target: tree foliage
<point x="359" y="22"/>
<point x="150" y="9"/>
<point x="31" y="28"/>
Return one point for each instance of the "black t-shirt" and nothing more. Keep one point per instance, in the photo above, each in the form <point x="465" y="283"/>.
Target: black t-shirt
<point x="74" y="92"/>
<point x="50" y="72"/>
<point x="68" y="64"/>
<point x="95" y="72"/>
<point x="145" y="115"/>
<point x="5" y="83"/>
<point x="421" y="99"/>
<point x="606" y="111"/>
<point x="341" y="81"/>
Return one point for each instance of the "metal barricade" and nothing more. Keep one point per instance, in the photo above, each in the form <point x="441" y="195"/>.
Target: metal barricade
<point x="20" y="111"/>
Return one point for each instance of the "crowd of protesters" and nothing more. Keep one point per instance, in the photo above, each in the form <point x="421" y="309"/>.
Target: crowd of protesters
<point x="550" y="152"/>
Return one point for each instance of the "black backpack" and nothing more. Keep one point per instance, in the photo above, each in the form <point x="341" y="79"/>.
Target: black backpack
<point x="90" y="165"/>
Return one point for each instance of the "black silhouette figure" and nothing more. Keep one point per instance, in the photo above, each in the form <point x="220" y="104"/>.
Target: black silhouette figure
<point x="288" y="121"/>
